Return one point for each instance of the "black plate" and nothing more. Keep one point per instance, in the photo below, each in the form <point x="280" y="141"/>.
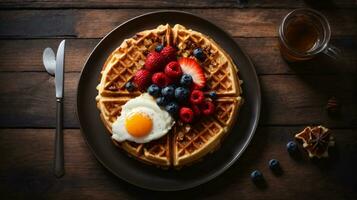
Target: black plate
<point x="143" y="175"/>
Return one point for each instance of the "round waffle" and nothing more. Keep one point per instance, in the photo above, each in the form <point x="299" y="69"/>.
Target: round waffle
<point x="185" y="143"/>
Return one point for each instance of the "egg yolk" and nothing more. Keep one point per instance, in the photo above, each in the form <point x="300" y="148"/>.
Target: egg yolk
<point x="138" y="124"/>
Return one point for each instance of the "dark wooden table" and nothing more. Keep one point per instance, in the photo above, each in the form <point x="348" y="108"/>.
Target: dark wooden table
<point x="294" y="96"/>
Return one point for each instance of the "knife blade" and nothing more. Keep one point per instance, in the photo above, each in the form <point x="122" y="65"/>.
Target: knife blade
<point x="59" y="79"/>
<point x="59" y="70"/>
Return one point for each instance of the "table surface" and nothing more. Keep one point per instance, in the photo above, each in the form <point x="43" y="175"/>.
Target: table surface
<point x="294" y="96"/>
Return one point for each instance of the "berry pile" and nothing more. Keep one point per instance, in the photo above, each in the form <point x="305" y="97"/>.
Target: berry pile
<point x="175" y="83"/>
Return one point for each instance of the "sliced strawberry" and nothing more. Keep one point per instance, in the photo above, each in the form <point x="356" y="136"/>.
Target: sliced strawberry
<point x="191" y="67"/>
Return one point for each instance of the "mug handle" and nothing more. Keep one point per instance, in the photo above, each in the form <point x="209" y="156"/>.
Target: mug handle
<point x="333" y="52"/>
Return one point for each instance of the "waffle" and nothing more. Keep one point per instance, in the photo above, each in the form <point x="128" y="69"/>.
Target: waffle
<point x="119" y="68"/>
<point x="185" y="143"/>
<point x="192" y="142"/>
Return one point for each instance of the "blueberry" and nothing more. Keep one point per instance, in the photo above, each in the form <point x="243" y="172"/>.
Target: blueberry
<point x="161" y="101"/>
<point x="130" y="86"/>
<point x="168" y="92"/>
<point x="186" y="80"/>
<point x="172" y="108"/>
<point x="198" y="53"/>
<point x="172" y="85"/>
<point x="292" y="147"/>
<point x="154" y="90"/>
<point x="159" y="48"/>
<point x="212" y="95"/>
<point x="274" y="164"/>
<point x="256" y="175"/>
<point x="181" y="94"/>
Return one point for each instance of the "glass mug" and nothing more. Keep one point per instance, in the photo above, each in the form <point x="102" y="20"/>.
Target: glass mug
<point x="304" y="33"/>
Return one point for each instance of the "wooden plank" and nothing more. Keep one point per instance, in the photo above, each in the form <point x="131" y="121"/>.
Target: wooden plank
<point x="77" y="51"/>
<point x="176" y="4"/>
<point x="287" y="100"/>
<point x="267" y="59"/>
<point x="264" y="53"/>
<point x="37" y="24"/>
<point x="26" y="170"/>
<point x="28" y="93"/>
<point x="96" y="23"/>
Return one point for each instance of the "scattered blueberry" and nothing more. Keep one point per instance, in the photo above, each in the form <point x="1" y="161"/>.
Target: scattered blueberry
<point x="130" y="86"/>
<point x="212" y="95"/>
<point x="154" y="90"/>
<point x="186" y="80"/>
<point x="159" y="48"/>
<point x="172" y="108"/>
<point x="168" y="92"/>
<point x="256" y="175"/>
<point x="198" y="53"/>
<point x="274" y="164"/>
<point x="161" y="101"/>
<point x="292" y="147"/>
<point x="182" y="94"/>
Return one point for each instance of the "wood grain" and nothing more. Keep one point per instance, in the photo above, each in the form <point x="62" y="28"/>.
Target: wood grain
<point x="264" y="53"/>
<point x="294" y="95"/>
<point x="77" y="51"/>
<point x="33" y="94"/>
<point x="176" y="4"/>
<point x="287" y="100"/>
<point x="96" y="23"/>
<point x="26" y="170"/>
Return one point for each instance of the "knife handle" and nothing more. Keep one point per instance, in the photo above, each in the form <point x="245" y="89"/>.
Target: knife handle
<point x="59" y="154"/>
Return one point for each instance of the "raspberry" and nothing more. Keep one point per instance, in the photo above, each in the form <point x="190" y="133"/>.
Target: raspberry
<point x="169" y="53"/>
<point x="196" y="97"/>
<point x="186" y="115"/>
<point x="196" y="110"/>
<point x="169" y="81"/>
<point x="207" y="108"/>
<point x="173" y="70"/>
<point x="142" y="79"/>
<point x="155" y="62"/>
<point x="160" y="79"/>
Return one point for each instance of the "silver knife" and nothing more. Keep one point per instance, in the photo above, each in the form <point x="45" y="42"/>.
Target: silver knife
<point x="59" y="80"/>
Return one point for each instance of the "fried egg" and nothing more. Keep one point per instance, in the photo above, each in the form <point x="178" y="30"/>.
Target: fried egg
<point x="141" y="121"/>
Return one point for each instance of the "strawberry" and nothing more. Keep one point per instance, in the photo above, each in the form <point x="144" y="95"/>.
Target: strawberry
<point x="160" y="79"/>
<point x="155" y="62"/>
<point x="173" y="70"/>
<point x="191" y="67"/>
<point x="142" y="79"/>
<point x="169" y="53"/>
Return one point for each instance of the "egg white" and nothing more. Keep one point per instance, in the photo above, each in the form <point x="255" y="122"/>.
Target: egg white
<point x="145" y="103"/>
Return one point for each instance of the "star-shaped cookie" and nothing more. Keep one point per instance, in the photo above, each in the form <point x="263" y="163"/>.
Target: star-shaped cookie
<point x="316" y="140"/>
